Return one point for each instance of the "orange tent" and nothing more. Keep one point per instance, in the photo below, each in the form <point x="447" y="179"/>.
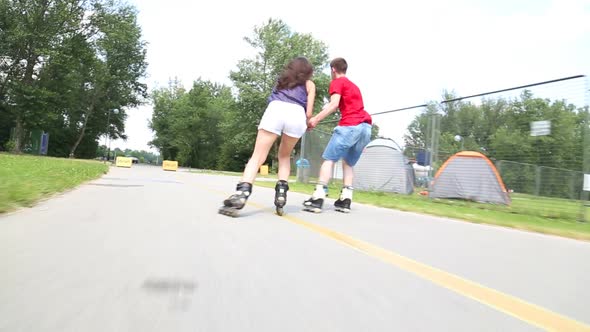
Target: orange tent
<point x="470" y="175"/>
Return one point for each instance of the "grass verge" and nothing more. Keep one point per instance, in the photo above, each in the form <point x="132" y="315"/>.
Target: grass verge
<point x="531" y="213"/>
<point x="26" y="179"/>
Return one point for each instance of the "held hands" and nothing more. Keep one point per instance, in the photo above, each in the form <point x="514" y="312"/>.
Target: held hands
<point x="312" y="122"/>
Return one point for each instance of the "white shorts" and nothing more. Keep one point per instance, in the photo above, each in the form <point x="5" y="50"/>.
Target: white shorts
<point x="284" y="118"/>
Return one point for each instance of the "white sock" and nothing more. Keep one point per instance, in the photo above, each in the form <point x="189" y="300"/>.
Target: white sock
<point x="319" y="192"/>
<point x="346" y="193"/>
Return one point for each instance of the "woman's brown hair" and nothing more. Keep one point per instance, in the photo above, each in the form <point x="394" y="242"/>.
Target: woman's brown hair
<point x="297" y="72"/>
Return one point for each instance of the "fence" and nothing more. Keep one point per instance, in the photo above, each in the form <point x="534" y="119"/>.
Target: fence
<point x="536" y="137"/>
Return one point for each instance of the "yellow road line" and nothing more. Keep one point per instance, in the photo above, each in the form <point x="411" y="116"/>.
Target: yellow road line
<point x="505" y="303"/>
<point x="508" y="304"/>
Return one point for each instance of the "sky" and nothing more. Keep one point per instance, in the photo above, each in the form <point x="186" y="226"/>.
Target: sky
<point x="400" y="53"/>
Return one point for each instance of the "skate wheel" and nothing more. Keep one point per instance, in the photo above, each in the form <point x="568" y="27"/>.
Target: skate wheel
<point x="313" y="210"/>
<point x="230" y="212"/>
<point x="342" y="210"/>
<point x="280" y="211"/>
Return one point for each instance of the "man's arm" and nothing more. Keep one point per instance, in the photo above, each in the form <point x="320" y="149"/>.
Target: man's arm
<point x="328" y="109"/>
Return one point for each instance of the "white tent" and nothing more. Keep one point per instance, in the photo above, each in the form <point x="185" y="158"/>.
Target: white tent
<point x="383" y="167"/>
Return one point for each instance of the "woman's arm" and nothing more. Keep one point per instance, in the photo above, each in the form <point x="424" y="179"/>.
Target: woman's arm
<point x="310" y="86"/>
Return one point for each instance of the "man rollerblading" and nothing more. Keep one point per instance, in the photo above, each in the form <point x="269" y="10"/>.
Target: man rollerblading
<point x="349" y="139"/>
<point x="343" y="202"/>
<point x="316" y="201"/>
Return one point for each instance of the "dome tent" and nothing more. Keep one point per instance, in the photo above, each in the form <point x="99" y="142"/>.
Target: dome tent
<point x="470" y="175"/>
<point x="383" y="167"/>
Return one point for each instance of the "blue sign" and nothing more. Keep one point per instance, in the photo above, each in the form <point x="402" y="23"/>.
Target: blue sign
<point x="423" y="158"/>
<point x="44" y="144"/>
<point x="302" y="163"/>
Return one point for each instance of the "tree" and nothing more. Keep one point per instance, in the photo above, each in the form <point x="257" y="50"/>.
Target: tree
<point x="211" y="127"/>
<point x="31" y="32"/>
<point x="119" y="64"/>
<point x="65" y="65"/>
<point x="199" y="113"/>
<point x="188" y="124"/>
<point x="275" y="45"/>
<point x="164" y="100"/>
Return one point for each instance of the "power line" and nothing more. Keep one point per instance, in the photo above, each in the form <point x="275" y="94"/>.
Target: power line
<point x="514" y="88"/>
<point x="475" y="95"/>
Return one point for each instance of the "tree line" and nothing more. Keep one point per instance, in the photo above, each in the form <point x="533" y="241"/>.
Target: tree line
<point x="70" y="68"/>
<point x="213" y="126"/>
<point x="500" y="128"/>
<point x="144" y="157"/>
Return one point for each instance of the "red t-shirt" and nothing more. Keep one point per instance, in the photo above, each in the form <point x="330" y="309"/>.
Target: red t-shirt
<point x="351" y="104"/>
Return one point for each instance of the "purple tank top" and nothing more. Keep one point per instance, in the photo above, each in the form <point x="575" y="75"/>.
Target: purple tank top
<point x="296" y="95"/>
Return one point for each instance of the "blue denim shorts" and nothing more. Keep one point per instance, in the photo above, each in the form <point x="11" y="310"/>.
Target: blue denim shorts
<point x="348" y="143"/>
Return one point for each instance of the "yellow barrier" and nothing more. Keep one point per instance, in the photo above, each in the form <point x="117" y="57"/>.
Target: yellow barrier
<point x="169" y="165"/>
<point x="123" y="162"/>
<point x="264" y="170"/>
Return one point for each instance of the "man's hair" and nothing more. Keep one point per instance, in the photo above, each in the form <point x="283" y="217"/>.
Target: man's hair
<point x="340" y="65"/>
<point x="297" y="72"/>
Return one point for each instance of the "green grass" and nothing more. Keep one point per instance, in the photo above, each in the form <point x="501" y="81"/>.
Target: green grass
<point x="214" y="172"/>
<point x="532" y="213"/>
<point x="538" y="214"/>
<point x="26" y="179"/>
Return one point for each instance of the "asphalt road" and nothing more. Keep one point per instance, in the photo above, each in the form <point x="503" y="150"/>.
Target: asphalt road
<point x="145" y="250"/>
